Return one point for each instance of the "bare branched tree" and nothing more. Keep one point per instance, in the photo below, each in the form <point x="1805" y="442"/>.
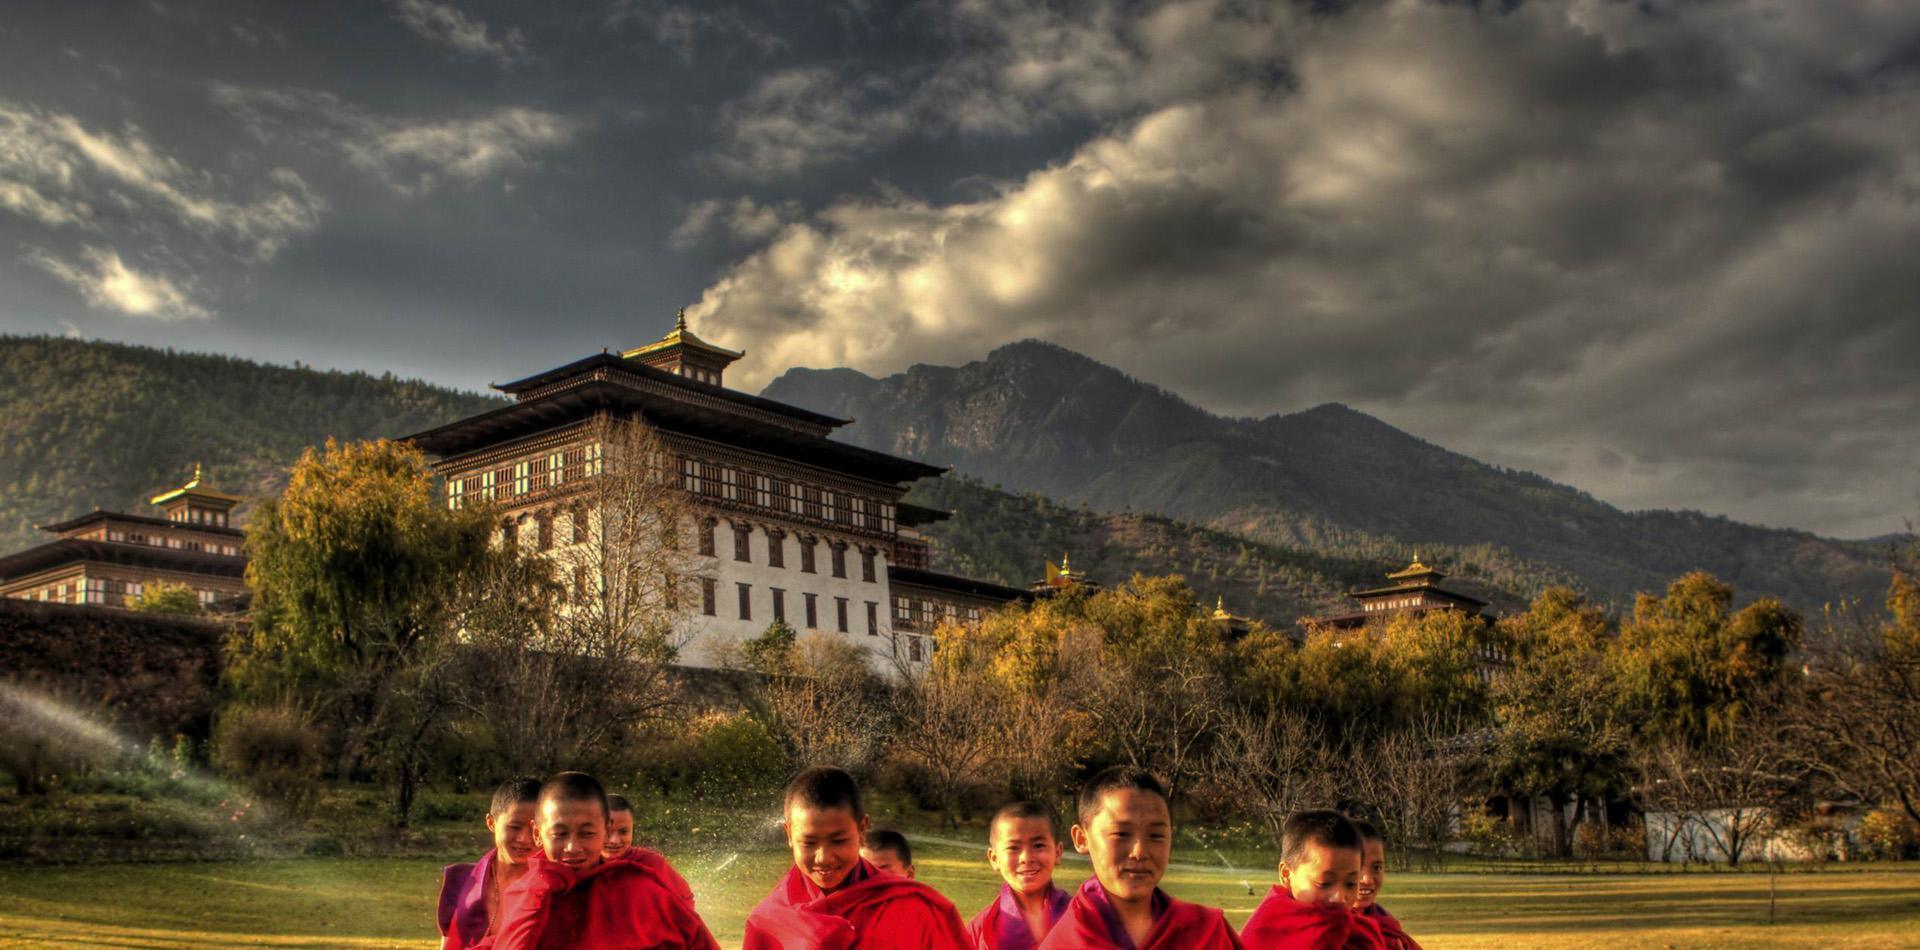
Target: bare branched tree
<point x="1275" y="762"/>
<point x="828" y="705"/>
<point x="1159" y="717"/>
<point x="574" y="629"/>
<point x="950" y="720"/>
<point x="1728" y="793"/>
<point x="1420" y="782"/>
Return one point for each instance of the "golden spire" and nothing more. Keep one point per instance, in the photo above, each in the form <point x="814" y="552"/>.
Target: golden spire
<point x="1220" y="607"/>
<point x="680" y="321"/>
<point x="195" y="481"/>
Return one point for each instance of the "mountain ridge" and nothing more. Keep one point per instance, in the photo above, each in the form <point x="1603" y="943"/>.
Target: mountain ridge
<point x="1035" y="416"/>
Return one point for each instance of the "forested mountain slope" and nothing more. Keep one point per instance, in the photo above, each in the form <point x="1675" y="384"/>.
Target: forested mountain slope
<point x="1034" y="416"/>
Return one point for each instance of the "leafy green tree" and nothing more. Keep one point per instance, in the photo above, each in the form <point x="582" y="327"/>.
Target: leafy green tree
<point x="1691" y="663"/>
<point x="1560" y="730"/>
<point x="357" y="570"/>
<point x="162" y="597"/>
<point x="770" y="653"/>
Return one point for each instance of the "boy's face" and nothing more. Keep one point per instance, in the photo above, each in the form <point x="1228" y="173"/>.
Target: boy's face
<point x="1373" y="874"/>
<point x="887" y="859"/>
<point x="513" y="833"/>
<point x="572" y="832"/>
<point x="825" y="842"/>
<point x="1323" y="875"/>
<point x="1025" y="852"/>
<point x="619" y="833"/>
<point x="1130" y="839"/>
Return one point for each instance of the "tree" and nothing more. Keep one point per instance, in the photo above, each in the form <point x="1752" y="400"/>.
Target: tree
<point x="1560" y="731"/>
<point x="1730" y="791"/>
<point x="357" y="569"/>
<point x="1418" y="782"/>
<point x="1156" y="688"/>
<point x="1275" y="761"/>
<point x="950" y="718"/>
<point x="1691" y="663"/>
<point x="163" y="597"/>
<point x="1864" y="710"/>
<point x="827" y="705"/>
<point x="605" y="602"/>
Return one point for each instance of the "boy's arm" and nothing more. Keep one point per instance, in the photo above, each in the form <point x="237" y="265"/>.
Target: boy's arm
<point x="524" y="916"/>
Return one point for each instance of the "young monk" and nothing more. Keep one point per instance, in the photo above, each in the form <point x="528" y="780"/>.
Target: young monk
<point x="887" y="850"/>
<point x="1023" y="844"/>
<point x="1312" y="906"/>
<point x="470" y="894"/>
<point x="833" y="899"/>
<point x="1126" y="829"/>
<point x="573" y="897"/>
<point x="619" y="827"/>
<point x="1373" y="876"/>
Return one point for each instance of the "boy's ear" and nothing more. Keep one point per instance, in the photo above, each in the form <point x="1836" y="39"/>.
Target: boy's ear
<point x="1286" y="870"/>
<point x="1079" y="838"/>
<point x="490" y="821"/>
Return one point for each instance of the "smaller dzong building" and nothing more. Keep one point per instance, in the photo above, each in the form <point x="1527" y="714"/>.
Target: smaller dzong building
<point x="1414" y="589"/>
<point x="107" y="558"/>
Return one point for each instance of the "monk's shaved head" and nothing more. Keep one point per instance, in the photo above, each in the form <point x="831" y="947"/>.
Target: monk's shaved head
<point x="1119" y="778"/>
<point x="574" y="787"/>
<point x="619" y="803"/>
<point x="1327" y="829"/>
<point x="1023" y="810"/>
<point x="824" y="787"/>
<point x="519" y="791"/>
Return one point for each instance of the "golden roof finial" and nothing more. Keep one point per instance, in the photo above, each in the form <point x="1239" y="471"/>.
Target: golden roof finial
<point x="680" y="321"/>
<point x="1064" y="568"/>
<point x="196" y="474"/>
<point x="1220" y="607"/>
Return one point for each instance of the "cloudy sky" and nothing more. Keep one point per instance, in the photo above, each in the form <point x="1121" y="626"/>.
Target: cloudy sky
<point x="1666" y="252"/>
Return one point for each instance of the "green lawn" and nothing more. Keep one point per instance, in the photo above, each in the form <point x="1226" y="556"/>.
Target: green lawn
<point x="388" y="902"/>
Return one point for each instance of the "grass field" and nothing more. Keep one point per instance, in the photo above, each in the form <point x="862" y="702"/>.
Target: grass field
<point x="388" y="902"/>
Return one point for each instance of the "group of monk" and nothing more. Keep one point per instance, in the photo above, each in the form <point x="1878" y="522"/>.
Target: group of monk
<point x="564" y="873"/>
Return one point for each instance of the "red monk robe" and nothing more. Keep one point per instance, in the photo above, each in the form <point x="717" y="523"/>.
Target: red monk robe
<point x="873" y="911"/>
<point x="1090" y="924"/>
<point x="1002" y="926"/>
<point x="636" y="900"/>
<point x="1390" y="929"/>
<point x="1282" y="923"/>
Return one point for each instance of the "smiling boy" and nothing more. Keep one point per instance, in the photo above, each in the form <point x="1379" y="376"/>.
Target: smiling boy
<point x="1023" y="845"/>
<point x="1312" y="906"/>
<point x="833" y="899"/>
<point x="1126" y="829"/>
<point x="1373" y="876"/>
<point x="573" y="896"/>
<point x="470" y="894"/>
<point x="619" y="827"/>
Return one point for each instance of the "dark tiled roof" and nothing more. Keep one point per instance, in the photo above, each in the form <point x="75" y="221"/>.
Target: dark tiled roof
<point x="77" y="551"/>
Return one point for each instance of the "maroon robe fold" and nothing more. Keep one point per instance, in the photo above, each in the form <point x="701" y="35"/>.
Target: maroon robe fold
<point x="463" y="903"/>
<point x="1390" y="928"/>
<point x="1001" y="925"/>
<point x="633" y="901"/>
<point x="873" y="911"/>
<point x="1282" y="923"/>
<point x="1177" y="925"/>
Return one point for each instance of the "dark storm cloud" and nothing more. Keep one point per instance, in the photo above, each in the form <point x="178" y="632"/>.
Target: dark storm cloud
<point x="1661" y="252"/>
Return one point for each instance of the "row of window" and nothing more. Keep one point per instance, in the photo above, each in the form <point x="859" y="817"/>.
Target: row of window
<point x="777" y="601"/>
<point x="1394" y="603"/>
<point x="785" y="496"/>
<point x="777" y="551"/>
<point x="527" y="475"/>
<point x="179" y="544"/>
<point x="918" y="613"/>
<point x="191" y="515"/>
<point x="101" y="590"/>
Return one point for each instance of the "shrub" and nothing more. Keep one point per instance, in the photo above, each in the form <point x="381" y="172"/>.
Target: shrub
<point x="1889" y="834"/>
<point x="1489" y="836"/>
<point x="724" y="758"/>
<point x="275" y="751"/>
<point x="324" y="846"/>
